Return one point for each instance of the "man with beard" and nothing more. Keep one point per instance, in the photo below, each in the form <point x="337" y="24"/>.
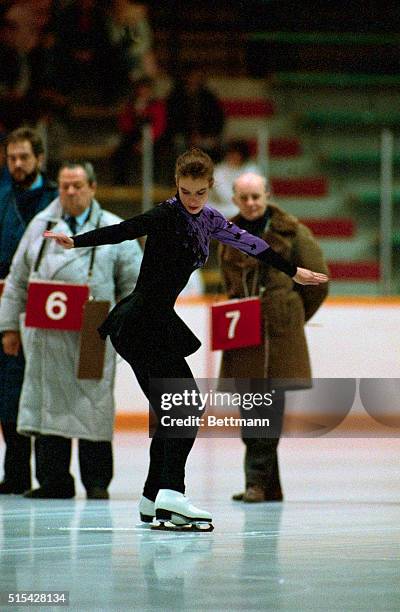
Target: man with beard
<point x="20" y="200"/>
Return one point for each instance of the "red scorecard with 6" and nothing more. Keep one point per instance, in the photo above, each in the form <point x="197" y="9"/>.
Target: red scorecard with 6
<point x="55" y="305"/>
<point x="236" y="324"/>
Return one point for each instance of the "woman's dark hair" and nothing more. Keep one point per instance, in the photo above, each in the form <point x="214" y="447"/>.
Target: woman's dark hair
<point x="196" y="164"/>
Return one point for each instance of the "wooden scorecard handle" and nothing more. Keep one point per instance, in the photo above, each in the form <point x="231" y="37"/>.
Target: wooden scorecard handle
<point x="92" y="347"/>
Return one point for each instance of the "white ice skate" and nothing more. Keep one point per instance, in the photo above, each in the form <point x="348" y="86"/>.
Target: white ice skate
<point x="146" y="510"/>
<point x="174" y="512"/>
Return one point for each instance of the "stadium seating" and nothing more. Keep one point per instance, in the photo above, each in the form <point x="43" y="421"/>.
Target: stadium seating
<point x="372" y="197"/>
<point x="335" y="80"/>
<point x="331" y="227"/>
<point x="348" y="119"/>
<point x="300" y="186"/>
<point x="355" y="158"/>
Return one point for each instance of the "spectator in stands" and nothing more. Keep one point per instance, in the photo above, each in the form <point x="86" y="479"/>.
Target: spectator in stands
<point x="194" y="114"/>
<point x="88" y="70"/>
<point x="16" y="42"/>
<point x="130" y="32"/>
<point x="22" y="196"/>
<point x="282" y="360"/>
<point x="29" y="78"/>
<point x="142" y="108"/>
<point x="236" y="161"/>
<point x="152" y="70"/>
<point x="46" y="64"/>
<point x="55" y="406"/>
<point x="48" y="90"/>
<point x="31" y="15"/>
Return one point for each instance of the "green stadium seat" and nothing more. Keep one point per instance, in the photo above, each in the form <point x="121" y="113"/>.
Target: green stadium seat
<point x="325" y="79"/>
<point x="356" y="158"/>
<point x="396" y="239"/>
<point x="344" y="118"/>
<point x="372" y="197"/>
<point x="326" y="38"/>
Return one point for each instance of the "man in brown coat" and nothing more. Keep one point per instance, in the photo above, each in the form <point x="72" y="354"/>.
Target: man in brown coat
<point x="282" y="360"/>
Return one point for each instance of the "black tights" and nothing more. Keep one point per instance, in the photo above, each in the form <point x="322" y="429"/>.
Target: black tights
<point x="167" y="455"/>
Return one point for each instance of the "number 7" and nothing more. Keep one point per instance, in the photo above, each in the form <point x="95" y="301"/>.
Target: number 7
<point x="234" y="315"/>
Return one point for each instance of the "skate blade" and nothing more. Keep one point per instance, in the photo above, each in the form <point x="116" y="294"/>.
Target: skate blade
<point x="198" y="527"/>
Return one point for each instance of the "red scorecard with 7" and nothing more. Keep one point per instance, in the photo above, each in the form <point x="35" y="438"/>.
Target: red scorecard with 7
<point x="55" y="305"/>
<point x="236" y="324"/>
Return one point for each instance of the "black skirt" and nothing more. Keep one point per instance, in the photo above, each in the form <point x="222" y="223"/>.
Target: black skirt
<point x="140" y="331"/>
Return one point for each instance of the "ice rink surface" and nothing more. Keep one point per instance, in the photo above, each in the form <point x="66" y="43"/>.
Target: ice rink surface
<point x="333" y="544"/>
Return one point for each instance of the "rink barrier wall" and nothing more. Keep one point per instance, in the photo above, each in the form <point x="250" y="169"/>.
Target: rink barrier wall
<point x="363" y="332"/>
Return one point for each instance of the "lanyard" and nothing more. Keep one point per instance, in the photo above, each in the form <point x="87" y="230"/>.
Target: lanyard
<point x="43" y="246"/>
<point x="245" y="273"/>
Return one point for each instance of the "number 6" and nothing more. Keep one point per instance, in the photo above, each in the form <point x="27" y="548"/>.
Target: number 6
<point x="56" y="307"/>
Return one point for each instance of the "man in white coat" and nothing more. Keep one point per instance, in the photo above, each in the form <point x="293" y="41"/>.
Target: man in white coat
<point x="55" y="405"/>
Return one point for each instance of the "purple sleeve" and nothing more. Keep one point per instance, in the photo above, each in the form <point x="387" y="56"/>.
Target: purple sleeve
<point x="228" y="233"/>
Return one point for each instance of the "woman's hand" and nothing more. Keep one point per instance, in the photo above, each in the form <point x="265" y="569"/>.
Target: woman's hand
<point x="307" y="277"/>
<point x="62" y="239"/>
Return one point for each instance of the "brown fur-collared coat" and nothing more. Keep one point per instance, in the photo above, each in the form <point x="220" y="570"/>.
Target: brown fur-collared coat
<point x="286" y="306"/>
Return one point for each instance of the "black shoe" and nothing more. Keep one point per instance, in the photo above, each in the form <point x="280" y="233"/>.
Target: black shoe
<point x="8" y="488"/>
<point x="49" y="493"/>
<point x="97" y="493"/>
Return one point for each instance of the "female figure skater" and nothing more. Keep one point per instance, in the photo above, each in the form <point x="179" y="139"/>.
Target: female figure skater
<point x="146" y="331"/>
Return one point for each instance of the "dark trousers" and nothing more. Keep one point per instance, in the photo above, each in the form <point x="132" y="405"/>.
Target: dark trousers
<point x="261" y="458"/>
<point x="167" y="455"/>
<point x="53" y="458"/>
<point x="17" y="459"/>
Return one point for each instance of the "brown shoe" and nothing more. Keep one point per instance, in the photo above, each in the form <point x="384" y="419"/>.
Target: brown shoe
<point x="267" y="496"/>
<point x="254" y="495"/>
